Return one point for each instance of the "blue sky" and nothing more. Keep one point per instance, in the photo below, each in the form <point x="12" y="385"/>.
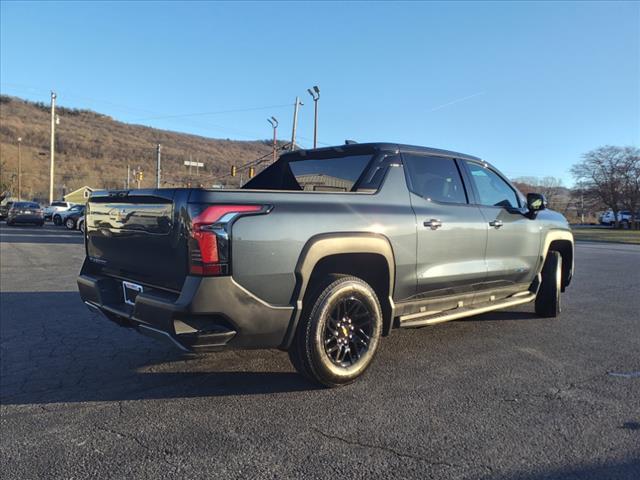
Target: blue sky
<point x="527" y="86"/>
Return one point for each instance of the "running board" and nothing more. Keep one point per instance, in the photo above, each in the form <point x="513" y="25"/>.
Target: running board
<point x="431" y="318"/>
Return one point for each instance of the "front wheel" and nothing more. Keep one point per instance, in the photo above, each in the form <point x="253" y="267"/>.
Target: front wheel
<point x="548" y="297"/>
<point x="338" y="336"/>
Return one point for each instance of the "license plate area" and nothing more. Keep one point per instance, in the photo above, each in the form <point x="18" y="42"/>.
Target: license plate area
<point x="131" y="291"/>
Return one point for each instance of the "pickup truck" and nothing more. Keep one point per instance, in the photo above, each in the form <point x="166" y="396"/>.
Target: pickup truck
<point x="323" y="253"/>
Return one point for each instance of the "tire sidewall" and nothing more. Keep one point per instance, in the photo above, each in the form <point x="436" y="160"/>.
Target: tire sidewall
<point x="321" y="365"/>
<point x="548" y="299"/>
<point x="69" y="221"/>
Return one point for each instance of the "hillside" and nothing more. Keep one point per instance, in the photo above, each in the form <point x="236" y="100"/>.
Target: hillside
<point x="94" y="149"/>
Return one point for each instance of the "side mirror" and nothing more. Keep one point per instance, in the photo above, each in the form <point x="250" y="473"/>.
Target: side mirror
<point x="536" y="202"/>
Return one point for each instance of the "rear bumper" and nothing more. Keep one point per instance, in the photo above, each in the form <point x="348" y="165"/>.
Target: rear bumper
<point x="210" y="313"/>
<point x="26" y="219"/>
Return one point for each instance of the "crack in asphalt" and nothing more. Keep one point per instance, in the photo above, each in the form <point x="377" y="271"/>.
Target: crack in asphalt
<point x="140" y="443"/>
<point x="391" y="451"/>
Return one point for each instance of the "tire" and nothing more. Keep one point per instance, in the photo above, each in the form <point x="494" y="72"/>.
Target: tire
<point x="9" y="224"/>
<point x="57" y="220"/>
<point x="41" y="224"/>
<point x="81" y="227"/>
<point x="548" y="304"/>
<point x="337" y="338"/>
<point x="70" y="223"/>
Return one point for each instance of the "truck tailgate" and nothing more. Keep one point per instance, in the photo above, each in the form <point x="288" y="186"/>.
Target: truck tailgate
<point x="137" y="236"/>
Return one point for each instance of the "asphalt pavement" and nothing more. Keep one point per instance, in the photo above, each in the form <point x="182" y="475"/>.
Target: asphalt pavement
<point x="505" y="395"/>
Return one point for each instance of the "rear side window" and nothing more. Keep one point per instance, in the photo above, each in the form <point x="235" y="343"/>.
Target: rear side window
<point x="335" y="174"/>
<point x="492" y="189"/>
<point x="435" y="178"/>
<point x="58" y="204"/>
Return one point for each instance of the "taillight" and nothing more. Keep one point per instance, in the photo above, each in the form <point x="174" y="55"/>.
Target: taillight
<point x="209" y="238"/>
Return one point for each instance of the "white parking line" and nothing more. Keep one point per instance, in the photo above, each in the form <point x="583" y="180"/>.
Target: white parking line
<point x="38" y="236"/>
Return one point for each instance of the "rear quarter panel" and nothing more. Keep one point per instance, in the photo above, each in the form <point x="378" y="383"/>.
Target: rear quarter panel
<point x="266" y="249"/>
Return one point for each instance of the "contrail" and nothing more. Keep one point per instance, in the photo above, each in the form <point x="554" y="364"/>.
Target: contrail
<point x="456" y="101"/>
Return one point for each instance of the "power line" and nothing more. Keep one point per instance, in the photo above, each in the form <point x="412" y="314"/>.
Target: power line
<point x="219" y="112"/>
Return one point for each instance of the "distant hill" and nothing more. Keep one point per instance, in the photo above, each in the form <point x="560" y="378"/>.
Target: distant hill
<point x="94" y="149"/>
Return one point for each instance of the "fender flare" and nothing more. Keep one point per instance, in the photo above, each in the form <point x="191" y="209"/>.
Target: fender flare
<point x="552" y="236"/>
<point x="324" y="245"/>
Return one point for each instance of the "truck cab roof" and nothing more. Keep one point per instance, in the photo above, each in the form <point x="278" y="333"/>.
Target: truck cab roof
<point x="358" y="148"/>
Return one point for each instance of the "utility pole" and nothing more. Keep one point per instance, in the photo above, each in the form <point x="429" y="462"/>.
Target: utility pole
<point x="19" y="169"/>
<point x="128" y="176"/>
<point x="295" y="123"/>
<point x="274" y="123"/>
<point x="315" y="94"/>
<point x="53" y="146"/>
<point x="158" y="165"/>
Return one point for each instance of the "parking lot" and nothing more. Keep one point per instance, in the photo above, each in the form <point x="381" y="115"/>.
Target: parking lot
<point x="503" y="395"/>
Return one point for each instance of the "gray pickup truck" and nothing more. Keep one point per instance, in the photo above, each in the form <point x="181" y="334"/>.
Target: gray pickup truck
<point x="324" y="253"/>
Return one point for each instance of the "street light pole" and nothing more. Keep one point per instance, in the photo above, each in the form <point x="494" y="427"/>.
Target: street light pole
<point x="53" y="147"/>
<point x="19" y="169"/>
<point x="315" y="94"/>
<point x="158" y="165"/>
<point x="295" y="123"/>
<point x="274" y="123"/>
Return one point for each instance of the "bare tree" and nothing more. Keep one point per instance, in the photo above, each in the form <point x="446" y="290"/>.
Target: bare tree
<point x="551" y="187"/>
<point x="611" y="174"/>
<point x="631" y="182"/>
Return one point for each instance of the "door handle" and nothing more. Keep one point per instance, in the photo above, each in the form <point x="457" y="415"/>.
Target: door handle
<point x="433" y="224"/>
<point x="496" y="224"/>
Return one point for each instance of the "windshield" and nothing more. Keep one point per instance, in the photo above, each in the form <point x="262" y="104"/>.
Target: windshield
<point x="334" y="174"/>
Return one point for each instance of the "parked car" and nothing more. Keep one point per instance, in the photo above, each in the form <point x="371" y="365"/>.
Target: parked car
<point x="71" y="220"/>
<point x="25" y="212"/>
<point x="59" y="218"/>
<point x="624" y="217"/>
<point x="4" y="209"/>
<point x="80" y="224"/>
<point x="324" y="253"/>
<point x="57" y="206"/>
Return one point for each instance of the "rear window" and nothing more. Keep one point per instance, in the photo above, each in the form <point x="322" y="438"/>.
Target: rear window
<point x="334" y="174"/>
<point x="26" y="205"/>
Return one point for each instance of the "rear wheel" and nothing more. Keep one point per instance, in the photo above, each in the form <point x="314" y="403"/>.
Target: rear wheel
<point x="70" y="223"/>
<point x="338" y="336"/>
<point x="57" y="220"/>
<point x="548" y="297"/>
<point x="81" y="227"/>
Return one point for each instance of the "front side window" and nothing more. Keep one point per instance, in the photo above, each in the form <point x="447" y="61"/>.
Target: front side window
<point x="435" y="178"/>
<point x="492" y="189"/>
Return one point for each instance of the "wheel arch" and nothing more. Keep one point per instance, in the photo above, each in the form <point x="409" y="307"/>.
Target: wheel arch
<point x="561" y="241"/>
<point x="365" y="255"/>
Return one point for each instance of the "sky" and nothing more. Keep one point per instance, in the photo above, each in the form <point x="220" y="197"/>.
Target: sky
<point x="529" y="87"/>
